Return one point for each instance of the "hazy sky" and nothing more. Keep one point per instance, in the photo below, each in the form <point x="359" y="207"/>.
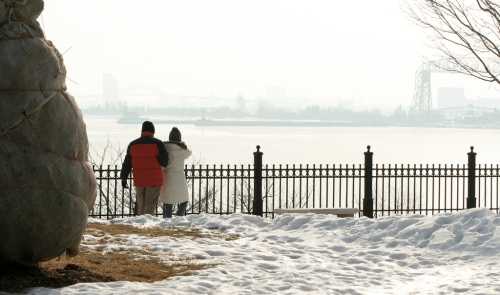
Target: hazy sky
<point x="353" y="52"/>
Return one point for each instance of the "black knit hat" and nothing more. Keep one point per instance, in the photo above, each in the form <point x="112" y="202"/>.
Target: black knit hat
<point x="148" y="127"/>
<point x="175" y="135"/>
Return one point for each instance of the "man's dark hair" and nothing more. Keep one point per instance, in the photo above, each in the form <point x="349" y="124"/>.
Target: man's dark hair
<point x="148" y="126"/>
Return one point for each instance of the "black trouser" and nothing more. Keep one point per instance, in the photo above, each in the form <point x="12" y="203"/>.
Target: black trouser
<point x="181" y="209"/>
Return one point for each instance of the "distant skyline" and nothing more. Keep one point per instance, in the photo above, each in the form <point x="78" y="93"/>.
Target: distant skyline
<point x="362" y="53"/>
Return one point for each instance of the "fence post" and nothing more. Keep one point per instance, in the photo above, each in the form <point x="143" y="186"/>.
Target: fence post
<point x="257" y="182"/>
<point x="471" y="178"/>
<point x="368" y="198"/>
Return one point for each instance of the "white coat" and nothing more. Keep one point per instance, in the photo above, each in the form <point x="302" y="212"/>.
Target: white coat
<point x="174" y="188"/>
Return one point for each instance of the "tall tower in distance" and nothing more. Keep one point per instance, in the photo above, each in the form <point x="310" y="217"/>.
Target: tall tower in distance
<point x="110" y="91"/>
<point x="422" y="99"/>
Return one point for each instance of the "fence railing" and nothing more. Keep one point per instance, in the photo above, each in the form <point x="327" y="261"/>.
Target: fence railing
<point x="377" y="190"/>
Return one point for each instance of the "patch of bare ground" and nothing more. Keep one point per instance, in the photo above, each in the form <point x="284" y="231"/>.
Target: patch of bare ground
<point x="94" y="265"/>
<point x="175" y="232"/>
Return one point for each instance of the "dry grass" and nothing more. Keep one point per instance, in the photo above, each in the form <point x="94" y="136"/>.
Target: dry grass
<point x="174" y="232"/>
<point x="94" y="265"/>
<point x="91" y="267"/>
<point x="121" y="266"/>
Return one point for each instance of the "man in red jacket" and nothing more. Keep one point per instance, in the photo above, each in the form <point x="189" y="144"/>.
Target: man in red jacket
<point x="145" y="156"/>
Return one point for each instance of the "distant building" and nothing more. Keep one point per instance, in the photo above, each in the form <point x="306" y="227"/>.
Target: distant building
<point x="109" y="91"/>
<point x="486" y="102"/>
<point x="451" y="97"/>
<point x="241" y="103"/>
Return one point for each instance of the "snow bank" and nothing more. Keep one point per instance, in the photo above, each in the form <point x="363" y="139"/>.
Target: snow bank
<point x="322" y="254"/>
<point x="476" y="230"/>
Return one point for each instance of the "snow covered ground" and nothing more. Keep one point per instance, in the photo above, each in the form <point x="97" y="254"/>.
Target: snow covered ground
<point x="321" y="254"/>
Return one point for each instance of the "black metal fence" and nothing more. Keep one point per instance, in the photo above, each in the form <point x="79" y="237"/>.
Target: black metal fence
<point x="377" y="190"/>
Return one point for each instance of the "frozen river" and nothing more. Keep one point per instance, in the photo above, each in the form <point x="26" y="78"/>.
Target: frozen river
<point x="228" y="145"/>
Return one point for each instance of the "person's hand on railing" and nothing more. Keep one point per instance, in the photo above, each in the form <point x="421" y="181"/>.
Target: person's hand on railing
<point x="124" y="183"/>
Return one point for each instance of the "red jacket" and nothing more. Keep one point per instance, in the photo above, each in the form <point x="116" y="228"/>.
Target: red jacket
<point x="145" y="156"/>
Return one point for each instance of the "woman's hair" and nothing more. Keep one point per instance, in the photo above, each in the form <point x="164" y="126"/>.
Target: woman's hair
<point x="175" y="137"/>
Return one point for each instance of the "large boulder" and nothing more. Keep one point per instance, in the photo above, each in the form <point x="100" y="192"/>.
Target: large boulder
<point x="47" y="186"/>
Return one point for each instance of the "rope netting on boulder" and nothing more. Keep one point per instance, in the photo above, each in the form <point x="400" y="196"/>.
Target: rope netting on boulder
<point x="47" y="186"/>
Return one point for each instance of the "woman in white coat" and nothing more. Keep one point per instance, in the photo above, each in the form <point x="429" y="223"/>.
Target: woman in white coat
<point x="174" y="189"/>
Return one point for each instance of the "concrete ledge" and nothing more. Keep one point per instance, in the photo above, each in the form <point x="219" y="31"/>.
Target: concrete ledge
<point x="345" y="212"/>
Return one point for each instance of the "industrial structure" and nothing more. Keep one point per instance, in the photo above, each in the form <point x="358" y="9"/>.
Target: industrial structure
<point x="422" y="98"/>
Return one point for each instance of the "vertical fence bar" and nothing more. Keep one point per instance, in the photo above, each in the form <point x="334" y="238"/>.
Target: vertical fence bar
<point x="376" y="170"/>
<point x="307" y="185"/>
<point x="286" y="187"/>
<point x="389" y="190"/>
<point x="123" y="201"/>
<point x="427" y="189"/>
<point x="359" y="185"/>
<point x="478" y="185"/>
<point x="192" y="176"/>
<point x="420" y="189"/>
<point x="274" y="174"/>
<point x="242" y="189"/>
<point x="491" y="186"/>
<point x="115" y="189"/>
<point x="314" y="185"/>
<point x="471" y="179"/>
<point x="353" y="171"/>
<point x="280" y="185"/>
<point x="433" y="188"/>
<point x="340" y="186"/>
<point x="383" y="189"/>
<point x="368" y="197"/>
<point x="347" y="185"/>
<point x="396" y="200"/>
<point x="458" y="187"/>
<point x="249" y="192"/>
<point x="293" y="186"/>
<point x="221" y="189"/>
<point x="199" y="189"/>
<point x="485" y="178"/>
<point x="266" y="191"/>
<point x="228" y="188"/>
<point x="92" y="210"/>
<point x="333" y="186"/>
<point x="445" y="187"/>
<point x="320" y="183"/>
<point x="451" y="188"/>
<point x="326" y="189"/>
<point x="414" y="188"/>
<point x="402" y="173"/>
<point x="100" y="191"/>
<point x="408" y="188"/>
<point x="257" y="178"/>
<point x="235" y="189"/>
<point x="300" y="185"/>
<point x="106" y="197"/>
<point x="207" y="195"/>
<point x="214" y="191"/>
<point x="464" y="201"/>
<point x="496" y="177"/>
<point x="439" y="188"/>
